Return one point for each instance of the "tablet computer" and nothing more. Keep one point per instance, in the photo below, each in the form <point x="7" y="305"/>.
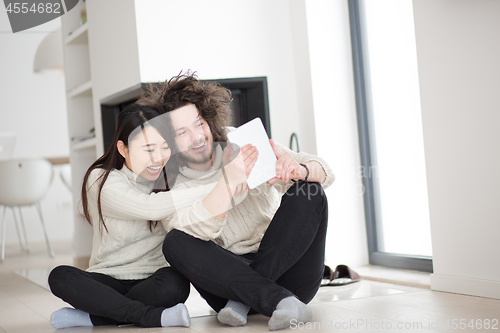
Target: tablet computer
<point x="253" y="132"/>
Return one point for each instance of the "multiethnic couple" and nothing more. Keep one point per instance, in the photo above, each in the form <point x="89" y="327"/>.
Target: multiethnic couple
<point x="170" y="205"/>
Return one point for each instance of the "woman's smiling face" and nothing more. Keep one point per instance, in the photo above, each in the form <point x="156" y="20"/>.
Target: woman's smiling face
<point x="147" y="153"/>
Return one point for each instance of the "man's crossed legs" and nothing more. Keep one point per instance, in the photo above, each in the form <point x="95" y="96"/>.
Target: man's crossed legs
<point x="278" y="280"/>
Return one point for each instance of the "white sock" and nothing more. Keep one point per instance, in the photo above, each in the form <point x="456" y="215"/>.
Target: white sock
<point x="69" y="317"/>
<point x="288" y="309"/>
<point x="177" y="315"/>
<point x="234" y="314"/>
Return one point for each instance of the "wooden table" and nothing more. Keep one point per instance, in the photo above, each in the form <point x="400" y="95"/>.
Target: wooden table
<point x="58" y="160"/>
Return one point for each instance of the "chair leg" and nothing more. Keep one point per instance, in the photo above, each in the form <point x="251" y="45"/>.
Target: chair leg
<point x="49" y="248"/>
<point x="25" y="246"/>
<point x="24" y="230"/>
<point x="17" y="228"/>
<point x="3" y="233"/>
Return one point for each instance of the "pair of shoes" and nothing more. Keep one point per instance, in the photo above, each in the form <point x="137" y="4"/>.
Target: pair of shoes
<point x="342" y="275"/>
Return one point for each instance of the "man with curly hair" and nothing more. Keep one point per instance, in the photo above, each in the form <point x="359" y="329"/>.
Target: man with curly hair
<point x="266" y="254"/>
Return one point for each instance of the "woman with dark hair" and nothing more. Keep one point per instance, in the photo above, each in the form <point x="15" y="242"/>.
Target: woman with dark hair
<point x="125" y="194"/>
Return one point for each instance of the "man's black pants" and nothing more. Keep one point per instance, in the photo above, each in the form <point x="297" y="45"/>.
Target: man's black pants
<point x="290" y="259"/>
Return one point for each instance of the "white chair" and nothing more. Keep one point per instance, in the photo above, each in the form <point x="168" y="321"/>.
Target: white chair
<point x="65" y="173"/>
<point x="24" y="182"/>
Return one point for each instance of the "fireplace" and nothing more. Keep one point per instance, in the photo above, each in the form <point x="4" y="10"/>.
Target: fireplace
<point x="250" y="100"/>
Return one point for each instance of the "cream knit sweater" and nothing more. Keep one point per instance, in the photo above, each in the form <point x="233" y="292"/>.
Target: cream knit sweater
<point x="129" y="250"/>
<point x="245" y="224"/>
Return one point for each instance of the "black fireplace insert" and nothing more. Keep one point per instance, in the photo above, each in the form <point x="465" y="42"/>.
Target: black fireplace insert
<point x="250" y="100"/>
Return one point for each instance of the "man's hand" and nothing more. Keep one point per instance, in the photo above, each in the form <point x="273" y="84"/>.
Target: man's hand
<point x="286" y="167"/>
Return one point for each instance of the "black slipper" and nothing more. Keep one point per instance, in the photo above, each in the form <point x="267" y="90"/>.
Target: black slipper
<point x="341" y="276"/>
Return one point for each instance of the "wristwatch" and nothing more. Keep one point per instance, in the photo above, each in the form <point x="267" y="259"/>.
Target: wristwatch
<point x="307" y="174"/>
<point x="307" y="169"/>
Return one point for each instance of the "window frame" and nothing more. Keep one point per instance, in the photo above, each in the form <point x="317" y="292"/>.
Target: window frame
<point x="376" y="257"/>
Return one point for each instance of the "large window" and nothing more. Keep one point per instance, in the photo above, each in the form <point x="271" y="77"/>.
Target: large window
<point x="390" y="129"/>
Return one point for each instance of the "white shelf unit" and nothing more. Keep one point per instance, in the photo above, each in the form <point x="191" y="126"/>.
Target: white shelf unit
<point x="84" y="89"/>
<point x="100" y="58"/>
<point x="80" y="109"/>
<point x="78" y="36"/>
<point x="84" y="144"/>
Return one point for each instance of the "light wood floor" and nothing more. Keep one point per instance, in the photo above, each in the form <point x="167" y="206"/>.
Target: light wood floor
<point x="367" y="306"/>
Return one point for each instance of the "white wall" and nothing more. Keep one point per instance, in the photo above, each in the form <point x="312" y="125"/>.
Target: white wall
<point x="458" y="53"/>
<point x="302" y="61"/>
<point x="225" y="39"/>
<point x="336" y="128"/>
<point x="34" y="106"/>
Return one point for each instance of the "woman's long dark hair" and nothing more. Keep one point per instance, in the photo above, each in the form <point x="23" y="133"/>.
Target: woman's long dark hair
<point x="130" y="120"/>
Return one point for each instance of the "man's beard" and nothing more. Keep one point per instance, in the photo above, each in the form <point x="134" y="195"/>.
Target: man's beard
<point x="188" y="157"/>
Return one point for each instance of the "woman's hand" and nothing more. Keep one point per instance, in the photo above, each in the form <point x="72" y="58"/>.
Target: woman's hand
<point x="236" y="168"/>
<point x="286" y="167"/>
<point x="238" y="165"/>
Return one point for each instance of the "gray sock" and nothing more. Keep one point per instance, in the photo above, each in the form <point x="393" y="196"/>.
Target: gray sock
<point x="289" y="309"/>
<point x="234" y="314"/>
<point x="177" y="315"/>
<point x="69" y="317"/>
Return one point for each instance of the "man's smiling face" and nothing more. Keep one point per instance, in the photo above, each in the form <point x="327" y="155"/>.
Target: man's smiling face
<point x="193" y="137"/>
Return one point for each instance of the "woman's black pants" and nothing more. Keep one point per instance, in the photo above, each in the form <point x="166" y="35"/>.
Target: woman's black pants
<point x="290" y="259"/>
<point x="112" y="301"/>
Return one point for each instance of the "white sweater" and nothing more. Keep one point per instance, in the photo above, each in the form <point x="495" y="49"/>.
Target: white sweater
<point x="129" y="250"/>
<point x="245" y="224"/>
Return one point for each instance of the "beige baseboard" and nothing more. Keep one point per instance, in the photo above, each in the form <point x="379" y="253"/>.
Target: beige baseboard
<point x="465" y="286"/>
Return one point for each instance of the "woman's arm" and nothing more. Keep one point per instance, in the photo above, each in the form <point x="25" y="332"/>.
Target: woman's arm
<point x="196" y="221"/>
<point x="206" y="218"/>
<point x="120" y="199"/>
<point x="236" y="168"/>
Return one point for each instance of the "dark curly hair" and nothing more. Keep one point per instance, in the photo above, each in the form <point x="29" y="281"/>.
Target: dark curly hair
<point x="211" y="99"/>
